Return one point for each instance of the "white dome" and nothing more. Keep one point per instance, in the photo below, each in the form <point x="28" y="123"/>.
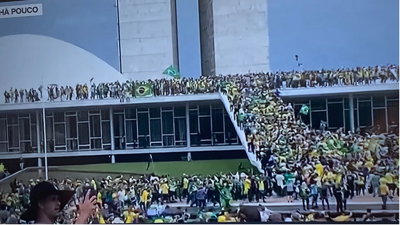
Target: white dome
<point x="28" y="61"/>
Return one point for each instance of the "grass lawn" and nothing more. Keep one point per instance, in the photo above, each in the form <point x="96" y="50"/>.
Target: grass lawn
<point x="174" y="169"/>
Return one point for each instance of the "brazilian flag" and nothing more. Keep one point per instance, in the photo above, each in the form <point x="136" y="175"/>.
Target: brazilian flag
<point x="143" y="90"/>
<point x="173" y="72"/>
<point x="304" y="110"/>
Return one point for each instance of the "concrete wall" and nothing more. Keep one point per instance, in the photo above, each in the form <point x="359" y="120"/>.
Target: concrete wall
<point x="207" y="37"/>
<point x="241" y="41"/>
<point x="148" y="37"/>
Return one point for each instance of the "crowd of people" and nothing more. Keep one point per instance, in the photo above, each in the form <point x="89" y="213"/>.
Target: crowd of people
<point x="297" y="162"/>
<point x="165" y="87"/>
<point x="150" y="198"/>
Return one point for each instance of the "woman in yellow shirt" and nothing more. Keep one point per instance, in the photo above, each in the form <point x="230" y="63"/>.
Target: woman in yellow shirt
<point x="384" y="192"/>
<point x="165" y="192"/>
<point x="143" y="200"/>
<point x="360" y="185"/>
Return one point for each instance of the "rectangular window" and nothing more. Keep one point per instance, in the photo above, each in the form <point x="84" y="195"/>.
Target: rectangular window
<point x="318" y="104"/>
<point x="393" y="112"/>
<point x="119" y="128"/>
<point x="217" y="120"/>
<point x="365" y="114"/>
<point x="180" y="129"/>
<point x="130" y="113"/>
<point x="205" y="128"/>
<point x="33" y="118"/>
<point x="155" y="129"/>
<point x="380" y="119"/>
<point x="167" y="123"/>
<point x="49" y="128"/>
<point x="24" y="130"/>
<point x="58" y="117"/>
<point x="168" y="141"/>
<point x="3" y="130"/>
<point x="193" y="122"/>
<point x="95" y="144"/>
<point x="355" y="119"/>
<point x="106" y="132"/>
<point x="143" y="123"/>
<point x="13" y="139"/>
<point x="12" y="119"/>
<point x="83" y="116"/>
<point x="347" y="120"/>
<point x="378" y="101"/>
<point x="71" y="127"/>
<point x="83" y="133"/>
<point x="179" y="111"/>
<point x="3" y="147"/>
<point x="59" y="137"/>
<point x="317" y="117"/>
<point x="204" y="110"/>
<point x="335" y="115"/>
<point x="105" y="114"/>
<point x="95" y="126"/>
<point x="155" y="112"/>
<point x="131" y="131"/>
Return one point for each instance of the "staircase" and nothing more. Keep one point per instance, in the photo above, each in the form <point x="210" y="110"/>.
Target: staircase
<point x="240" y="133"/>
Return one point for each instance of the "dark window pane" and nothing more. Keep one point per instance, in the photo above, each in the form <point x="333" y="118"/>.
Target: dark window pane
<point x="3" y="130"/>
<point x="217" y="120"/>
<point x="355" y="103"/>
<point x="335" y="115"/>
<point x="179" y="111"/>
<point x="33" y="118"/>
<point x="95" y="144"/>
<point x="71" y="127"/>
<point x="105" y="114"/>
<point x="378" y="101"/>
<point x="130" y="113"/>
<point x="95" y="126"/>
<point x="347" y="120"/>
<point x="166" y="108"/>
<point x="155" y="129"/>
<point x="393" y="112"/>
<point x="106" y="135"/>
<point x="83" y="133"/>
<point x="155" y="112"/>
<point x="364" y="98"/>
<point x="167" y="123"/>
<point x="3" y="147"/>
<point x="393" y="96"/>
<point x="193" y="122"/>
<point x="180" y="129"/>
<point x="119" y="125"/>
<point x="335" y="99"/>
<point x="13" y="140"/>
<point x="230" y="131"/>
<point x="131" y="131"/>
<point x="24" y="130"/>
<point x="380" y="119"/>
<point x="317" y="117"/>
<point x="205" y="128"/>
<point x="143" y="123"/>
<point x="83" y="116"/>
<point x="365" y="114"/>
<point x="143" y="109"/>
<point x="346" y="103"/>
<point x="194" y="106"/>
<point x="34" y="135"/>
<point x="355" y="119"/>
<point x="59" y="134"/>
<point x="58" y="117"/>
<point x="318" y="104"/>
<point x="168" y="141"/>
<point x="204" y="110"/>
<point x="49" y="128"/>
<point x="12" y="119"/>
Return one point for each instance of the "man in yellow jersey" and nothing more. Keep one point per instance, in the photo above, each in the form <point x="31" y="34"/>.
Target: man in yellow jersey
<point x="143" y="199"/>
<point x="383" y="192"/>
<point x="390" y="183"/>
<point x="129" y="215"/>
<point x="185" y="185"/>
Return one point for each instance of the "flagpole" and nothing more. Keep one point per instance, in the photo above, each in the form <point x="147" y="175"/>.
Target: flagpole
<point x="45" y="145"/>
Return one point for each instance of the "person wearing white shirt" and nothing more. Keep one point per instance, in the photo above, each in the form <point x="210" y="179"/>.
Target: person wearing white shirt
<point x="279" y="182"/>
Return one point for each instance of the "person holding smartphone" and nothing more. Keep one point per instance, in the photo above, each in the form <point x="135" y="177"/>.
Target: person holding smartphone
<point x="47" y="203"/>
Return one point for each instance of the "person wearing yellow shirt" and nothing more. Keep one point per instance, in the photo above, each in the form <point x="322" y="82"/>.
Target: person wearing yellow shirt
<point x="261" y="190"/>
<point x="99" y="199"/>
<point x="360" y="184"/>
<point x="390" y="183"/>
<point x="369" y="165"/>
<point x="185" y="185"/>
<point x="1" y="168"/>
<point x="143" y="200"/>
<point x="383" y="192"/>
<point x="129" y="216"/>
<point x="247" y="185"/>
<point x="319" y="168"/>
<point x="165" y="191"/>
<point x="93" y="184"/>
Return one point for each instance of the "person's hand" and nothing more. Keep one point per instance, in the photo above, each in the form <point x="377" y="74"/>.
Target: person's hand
<point x="86" y="208"/>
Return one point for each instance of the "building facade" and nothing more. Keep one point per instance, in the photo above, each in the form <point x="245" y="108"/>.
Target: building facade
<point x="226" y="46"/>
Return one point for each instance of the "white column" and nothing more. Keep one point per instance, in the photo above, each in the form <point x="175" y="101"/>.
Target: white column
<point x="39" y="162"/>
<point x="45" y="144"/>
<point x="187" y="126"/>
<point x="112" y="134"/>
<point x="351" y="112"/>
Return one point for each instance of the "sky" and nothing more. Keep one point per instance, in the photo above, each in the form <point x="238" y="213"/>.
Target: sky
<point x="324" y="34"/>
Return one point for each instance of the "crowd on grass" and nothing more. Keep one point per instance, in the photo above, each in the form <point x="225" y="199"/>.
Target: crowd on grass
<point x="167" y="87"/>
<point x="313" y="166"/>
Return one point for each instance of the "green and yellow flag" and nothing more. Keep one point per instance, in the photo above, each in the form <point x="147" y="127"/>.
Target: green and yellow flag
<point x="143" y="90"/>
<point x="304" y="110"/>
<point x="173" y="72"/>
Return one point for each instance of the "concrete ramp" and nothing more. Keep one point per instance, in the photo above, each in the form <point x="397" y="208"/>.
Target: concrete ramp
<point x="251" y="156"/>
